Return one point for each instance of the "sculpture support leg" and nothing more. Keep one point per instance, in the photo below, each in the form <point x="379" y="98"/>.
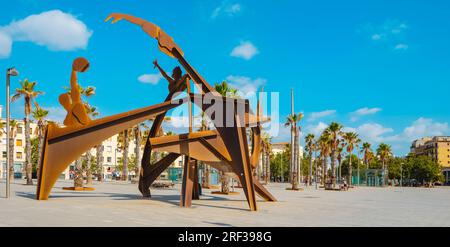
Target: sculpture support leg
<point x="196" y="186"/>
<point x="148" y="176"/>
<point x="236" y="142"/>
<point x="188" y="182"/>
<point x="263" y="192"/>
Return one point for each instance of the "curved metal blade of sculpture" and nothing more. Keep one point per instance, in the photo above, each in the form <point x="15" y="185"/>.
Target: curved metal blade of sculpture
<point x="230" y="148"/>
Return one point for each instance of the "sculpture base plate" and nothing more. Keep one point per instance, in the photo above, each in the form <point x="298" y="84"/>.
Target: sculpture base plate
<point x="79" y="188"/>
<point x="298" y="189"/>
<point x="225" y="193"/>
<point x="210" y="187"/>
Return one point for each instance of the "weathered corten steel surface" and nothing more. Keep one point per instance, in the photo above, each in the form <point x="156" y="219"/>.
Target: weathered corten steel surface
<point x="224" y="148"/>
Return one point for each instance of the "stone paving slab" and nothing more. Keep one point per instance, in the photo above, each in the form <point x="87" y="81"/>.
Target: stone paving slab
<point x="120" y="204"/>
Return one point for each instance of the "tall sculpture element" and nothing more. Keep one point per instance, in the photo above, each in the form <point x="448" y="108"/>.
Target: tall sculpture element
<point x="76" y="111"/>
<point x="224" y="148"/>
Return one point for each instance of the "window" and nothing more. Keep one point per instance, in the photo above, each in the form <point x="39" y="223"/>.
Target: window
<point x="19" y="155"/>
<point x="19" y="130"/>
<point x="19" y="142"/>
<point x="4" y="154"/>
<point x="108" y="149"/>
<point x="108" y="159"/>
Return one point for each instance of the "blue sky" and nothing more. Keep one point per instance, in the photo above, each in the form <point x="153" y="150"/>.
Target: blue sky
<point x="381" y="68"/>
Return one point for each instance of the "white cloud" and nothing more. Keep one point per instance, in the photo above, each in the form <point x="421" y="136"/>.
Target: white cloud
<point x="424" y="127"/>
<point x="362" y="112"/>
<point x="316" y="115"/>
<point x="225" y="8"/>
<point x="245" y="50"/>
<point x="5" y="45"/>
<point x="54" y="29"/>
<point x="373" y="132"/>
<point x="280" y="133"/>
<point x="401" y="47"/>
<point x="376" y="37"/>
<point x="316" y="129"/>
<point x="245" y="85"/>
<point x="150" y="78"/>
<point x="391" y="33"/>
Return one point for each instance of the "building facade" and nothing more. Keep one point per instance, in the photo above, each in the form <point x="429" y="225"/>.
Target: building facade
<point x="437" y="148"/>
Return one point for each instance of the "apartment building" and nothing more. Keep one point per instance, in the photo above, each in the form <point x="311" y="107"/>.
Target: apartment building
<point x="438" y="148"/>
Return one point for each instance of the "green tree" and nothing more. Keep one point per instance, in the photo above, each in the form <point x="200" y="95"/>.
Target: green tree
<point x="351" y="139"/>
<point x="366" y="150"/>
<point x="424" y="169"/>
<point x="323" y="144"/>
<point x="310" y="148"/>
<point x="293" y="121"/>
<point x="334" y="131"/>
<point x="266" y="147"/>
<point x="384" y="152"/>
<point x="225" y="89"/>
<point x="279" y="165"/>
<point x="29" y="94"/>
<point x="40" y="114"/>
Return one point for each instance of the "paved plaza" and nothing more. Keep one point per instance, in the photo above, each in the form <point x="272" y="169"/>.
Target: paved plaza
<point x="120" y="204"/>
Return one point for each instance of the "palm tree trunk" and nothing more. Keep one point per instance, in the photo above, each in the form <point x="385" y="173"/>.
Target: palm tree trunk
<point x="292" y="154"/>
<point x="88" y="158"/>
<point x="333" y="167"/>
<point x="310" y="169"/>
<point x="99" y="151"/>
<point x="78" y="179"/>
<point x="295" y="163"/>
<point x="207" y="179"/>
<point x="224" y="182"/>
<point x="350" y="170"/>
<point x="263" y="164"/>
<point x="267" y="167"/>
<point x="324" y="170"/>
<point x="137" y="149"/>
<point x="340" y="171"/>
<point x="11" y="158"/>
<point x="28" y="165"/>
<point x="125" y="156"/>
<point x="40" y="142"/>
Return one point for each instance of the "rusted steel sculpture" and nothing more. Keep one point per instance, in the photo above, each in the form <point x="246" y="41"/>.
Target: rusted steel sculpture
<point x="224" y="148"/>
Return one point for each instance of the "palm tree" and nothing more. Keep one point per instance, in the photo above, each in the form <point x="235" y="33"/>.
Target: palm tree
<point x="352" y="140"/>
<point x="334" y="131"/>
<point x="27" y="91"/>
<point x="310" y="147"/>
<point x="91" y="111"/>
<point x="137" y="134"/>
<point x="204" y="125"/>
<point x="99" y="159"/>
<point x="124" y="140"/>
<point x="384" y="152"/>
<point x="266" y="150"/>
<point x="324" y="146"/>
<point x="339" y="159"/>
<point x="39" y="115"/>
<point x="225" y="90"/>
<point x="366" y="150"/>
<point x="293" y="120"/>
<point x="13" y="124"/>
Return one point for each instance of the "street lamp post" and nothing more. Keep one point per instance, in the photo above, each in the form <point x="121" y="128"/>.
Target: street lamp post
<point x="9" y="72"/>
<point x="401" y="174"/>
